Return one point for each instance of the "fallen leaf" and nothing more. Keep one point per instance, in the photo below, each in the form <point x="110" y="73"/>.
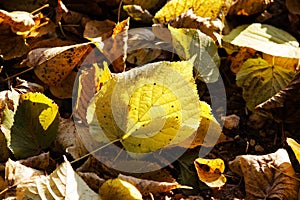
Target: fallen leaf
<point x="165" y="118"/>
<point x="96" y="29"/>
<point x="295" y="147"/>
<point x="269" y="176"/>
<point x="244" y="7"/>
<point x="210" y="171"/>
<point x="261" y="80"/>
<point x="284" y="105"/>
<point x="40" y="162"/>
<point x="174" y="8"/>
<point x="137" y="13"/>
<point x="30" y="135"/>
<point x="13" y="47"/>
<point x="53" y="65"/>
<point x="23" y="86"/>
<point x="192" y="43"/>
<point x="65" y="89"/>
<point x="293" y="6"/>
<point x="150" y="186"/>
<point x="63" y="183"/>
<point x="28" y="6"/>
<point x="119" y="189"/>
<point x="240" y="57"/>
<point x="93" y="181"/>
<point x="149" y="4"/>
<point x="277" y="43"/>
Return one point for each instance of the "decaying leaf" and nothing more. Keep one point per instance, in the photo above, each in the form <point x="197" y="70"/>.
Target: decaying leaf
<point x="144" y="4"/>
<point x="138" y="13"/>
<point x="53" y="65"/>
<point x="23" y="86"/>
<point x="202" y="8"/>
<point x="158" y="114"/>
<point x="267" y="39"/>
<point x="191" y="43"/>
<point x="30" y="135"/>
<point x="119" y="189"/>
<point x="210" y="171"/>
<point x="260" y="80"/>
<point x="269" y="176"/>
<point x="65" y="89"/>
<point x="93" y="181"/>
<point x="284" y="105"/>
<point x="63" y="183"/>
<point x="28" y="6"/>
<point x="41" y="161"/>
<point x="244" y="7"/>
<point x="150" y="186"/>
<point x="96" y="29"/>
<point x="68" y="140"/>
<point x="295" y="147"/>
<point x="13" y="46"/>
<point x="293" y="6"/>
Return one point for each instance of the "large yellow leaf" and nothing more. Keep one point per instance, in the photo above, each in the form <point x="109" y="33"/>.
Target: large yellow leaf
<point x="147" y="108"/>
<point x="202" y="8"/>
<point x="260" y="80"/>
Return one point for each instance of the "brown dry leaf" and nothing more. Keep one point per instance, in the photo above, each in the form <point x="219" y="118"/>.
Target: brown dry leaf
<point x="65" y="89"/>
<point x="16" y="173"/>
<point x="284" y="106"/>
<point x="4" y="155"/>
<point x="19" y="21"/>
<point x="269" y="176"/>
<point x="149" y="186"/>
<point x="28" y="5"/>
<point x="293" y="6"/>
<point x="23" y="86"/>
<point x="162" y="32"/>
<point x="93" y="181"/>
<point x="115" y="47"/>
<point x="240" y="57"/>
<point x="53" y="65"/>
<point x="41" y="162"/>
<point x="51" y="42"/>
<point x="189" y="19"/>
<point x="137" y="13"/>
<point x="13" y="46"/>
<point x="246" y="7"/>
<point x="96" y="29"/>
<point x="146" y="4"/>
<point x="68" y="140"/>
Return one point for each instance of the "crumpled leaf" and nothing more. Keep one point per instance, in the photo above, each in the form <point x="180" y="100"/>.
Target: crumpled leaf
<point x="141" y="46"/>
<point x="295" y="147"/>
<point x="158" y="114"/>
<point x="284" y="105"/>
<point x="150" y="186"/>
<point x="210" y="171"/>
<point x="19" y="21"/>
<point x="53" y="65"/>
<point x="191" y="42"/>
<point x="260" y="81"/>
<point x="119" y="189"/>
<point x="30" y="135"/>
<point x="267" y="177"/>
<point x="202" y="8"/>
<point x="244" y="7"/>
<point x="206" y="25"/>
<point x="267" y="39"/>
<point x="63" y="183"/>
<point x="138" y="13"/>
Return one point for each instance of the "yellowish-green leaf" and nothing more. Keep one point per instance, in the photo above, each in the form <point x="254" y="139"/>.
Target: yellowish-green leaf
<point x="202" y="8"/>
<point x="35" y="125"/>
<point x="119" y="189"/>
<point x="260" y="80"/>
<point x="192" y="42"/>
<point x="145" y="110"/>
<point x="295" y="147"/>
<point x="63" y="183"/>
<point x="210" y="171"/>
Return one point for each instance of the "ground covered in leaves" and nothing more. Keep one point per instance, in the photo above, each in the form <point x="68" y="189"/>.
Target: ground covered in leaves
<point x="216" y="81"/>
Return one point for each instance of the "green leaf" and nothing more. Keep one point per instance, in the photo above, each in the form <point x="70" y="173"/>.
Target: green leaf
<point x="260" y="80"/>
<point x="191" y="42"/>
<point x="147" y="108"/>
<point x="35" y="125"/>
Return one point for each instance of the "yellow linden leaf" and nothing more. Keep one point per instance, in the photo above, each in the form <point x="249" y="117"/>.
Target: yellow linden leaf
<point x="119" y="189"/>
<point x="295" y="147"/>
<point x="210" y="171"/>
<point x="144" y="110"/>
<point x="202" y="8"/>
